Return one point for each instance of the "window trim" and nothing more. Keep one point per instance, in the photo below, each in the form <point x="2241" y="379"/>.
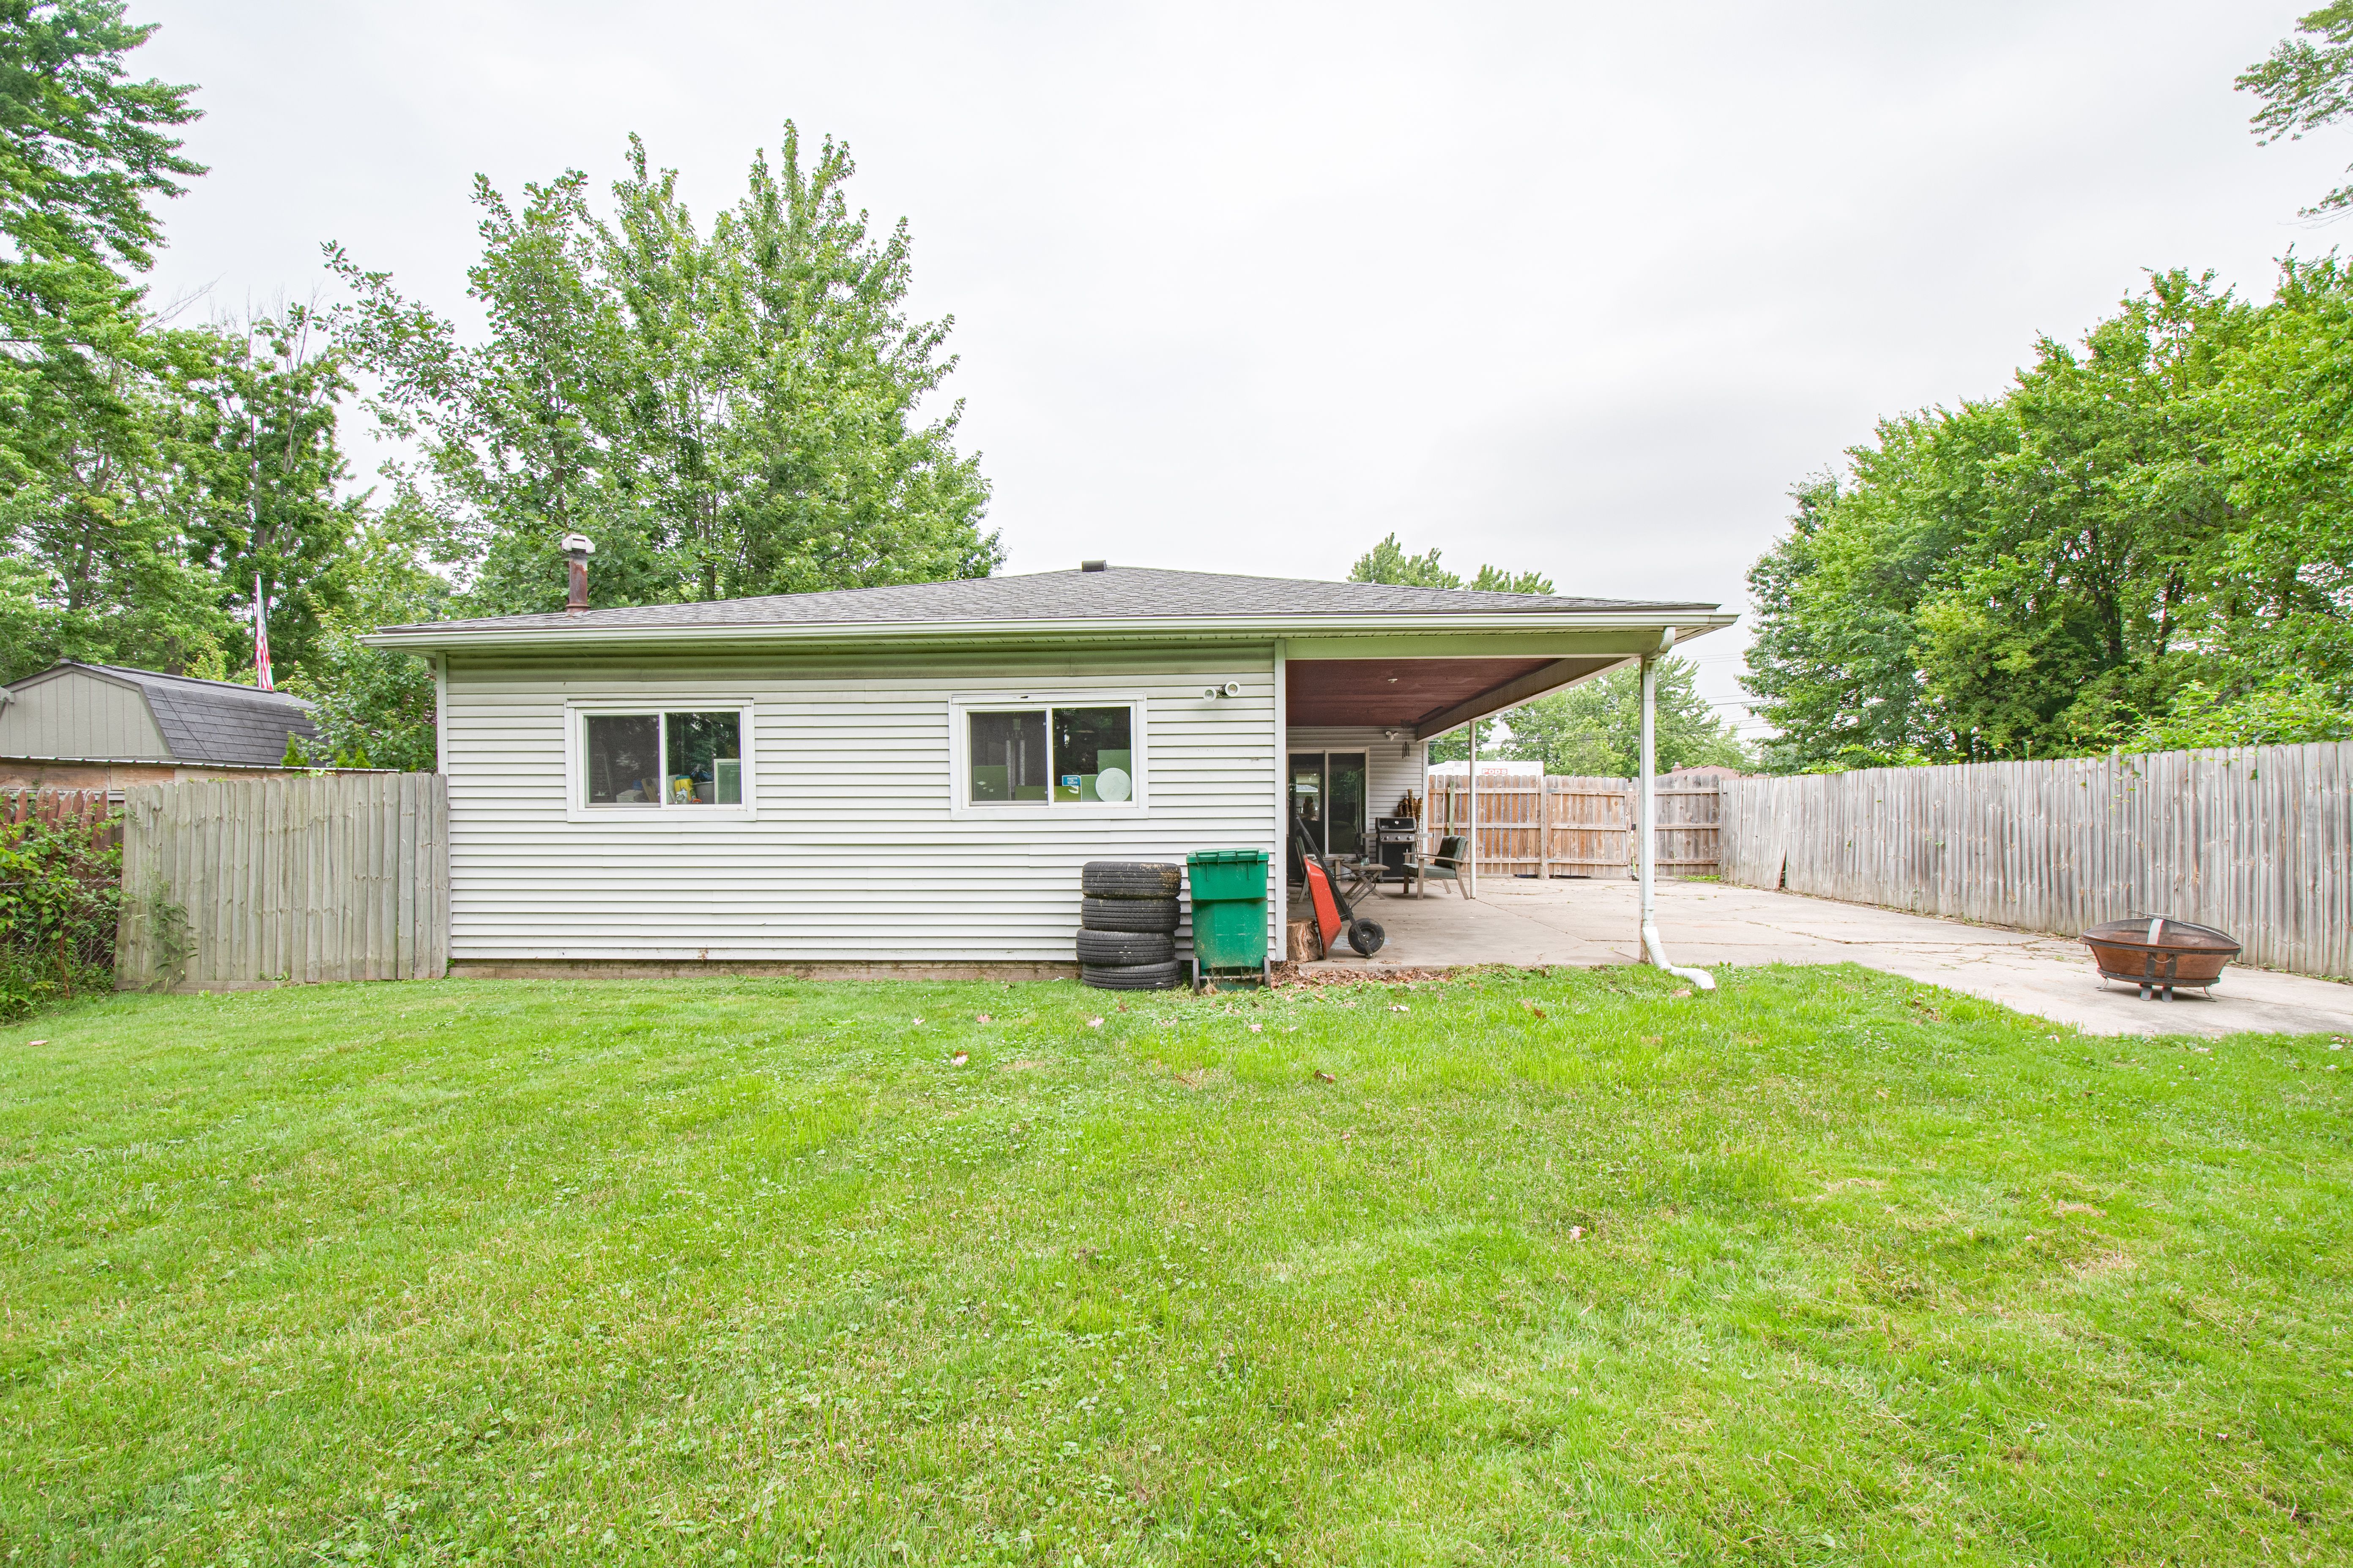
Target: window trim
<point x="576" y="809"/>
<point x="960" y="711"/>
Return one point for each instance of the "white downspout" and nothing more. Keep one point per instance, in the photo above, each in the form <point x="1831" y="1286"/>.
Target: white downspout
<point x="1652" y="948"/>
<point x="1278" y="880"/>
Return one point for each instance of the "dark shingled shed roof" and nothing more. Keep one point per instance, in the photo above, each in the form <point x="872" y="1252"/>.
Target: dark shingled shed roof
<point x="1118" y="593"/>
<point x="213" y="721"/>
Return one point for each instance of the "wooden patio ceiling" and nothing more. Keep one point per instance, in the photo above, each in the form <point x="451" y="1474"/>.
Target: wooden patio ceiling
<point x="1422" y="695"/>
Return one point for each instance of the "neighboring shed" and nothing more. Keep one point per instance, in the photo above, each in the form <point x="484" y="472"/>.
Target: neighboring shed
<point x="83" y="726"/>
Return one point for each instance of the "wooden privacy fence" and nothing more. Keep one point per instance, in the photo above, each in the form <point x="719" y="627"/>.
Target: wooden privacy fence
<point x="2254" y="841"/>
<point x="91" y="809"/>
<point x="239" y="883"/>
<point x="1575" y="826"/>
<point x="88" y="810"/>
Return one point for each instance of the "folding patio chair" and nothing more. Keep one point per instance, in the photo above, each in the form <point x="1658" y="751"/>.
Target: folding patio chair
<point x="1454" y="853"/>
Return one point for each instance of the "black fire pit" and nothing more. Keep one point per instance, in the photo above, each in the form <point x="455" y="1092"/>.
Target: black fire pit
<point x="2158" y="954"/>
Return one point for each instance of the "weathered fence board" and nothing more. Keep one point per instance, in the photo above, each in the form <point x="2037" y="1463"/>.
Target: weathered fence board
<point x="92" y="810"/>
<point x="2252" y="840"/>
<point x="1575" y="826"/>
<point x="236" y="883"/>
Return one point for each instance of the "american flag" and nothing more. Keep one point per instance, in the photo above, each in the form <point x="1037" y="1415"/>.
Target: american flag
<point x="260" y="638"/>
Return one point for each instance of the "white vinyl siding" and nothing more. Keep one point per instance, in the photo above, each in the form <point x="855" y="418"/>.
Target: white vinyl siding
<point x="856" y="853"/>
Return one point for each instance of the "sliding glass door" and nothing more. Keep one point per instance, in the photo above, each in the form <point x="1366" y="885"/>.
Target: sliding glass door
<point x="1327" y="795"/>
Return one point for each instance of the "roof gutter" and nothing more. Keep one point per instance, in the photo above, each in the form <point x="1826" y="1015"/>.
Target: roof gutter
<point x="182" y="762"/>
<point x="1690" y="621"/>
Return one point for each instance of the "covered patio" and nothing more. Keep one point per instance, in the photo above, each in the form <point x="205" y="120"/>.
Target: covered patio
<point x="1356" y="716"/>
<point x="1527" y="923"/>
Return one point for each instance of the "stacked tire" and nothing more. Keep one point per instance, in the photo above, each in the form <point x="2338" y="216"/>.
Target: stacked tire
<point x="1127" y="925"/>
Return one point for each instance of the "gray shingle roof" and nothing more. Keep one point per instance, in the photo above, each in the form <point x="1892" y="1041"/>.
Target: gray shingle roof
<point x="1118" y="593"/>
<point x="214" y="721"/>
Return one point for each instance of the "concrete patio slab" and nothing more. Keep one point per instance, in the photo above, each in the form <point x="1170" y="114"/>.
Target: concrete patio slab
<point x="1528" y="924"/>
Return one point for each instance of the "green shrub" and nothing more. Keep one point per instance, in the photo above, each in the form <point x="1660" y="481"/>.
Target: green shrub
<point x="59" y="891"/>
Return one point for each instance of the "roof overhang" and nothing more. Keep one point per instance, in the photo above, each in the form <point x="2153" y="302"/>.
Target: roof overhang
<point x="1425" y="697"/>
<point x="1433" y="672"/>
<point x="1427" y="686"/>
<point x="1626" y="634"/>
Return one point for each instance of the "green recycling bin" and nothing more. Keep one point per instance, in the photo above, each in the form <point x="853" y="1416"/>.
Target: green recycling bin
<point x="1229" y="913"/>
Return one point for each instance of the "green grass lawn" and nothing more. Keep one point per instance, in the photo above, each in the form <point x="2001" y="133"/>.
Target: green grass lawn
<point x="1826" y="1267"/>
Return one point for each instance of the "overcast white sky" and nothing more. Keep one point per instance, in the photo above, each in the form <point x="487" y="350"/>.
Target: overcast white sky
<point x="1577" y="287"/>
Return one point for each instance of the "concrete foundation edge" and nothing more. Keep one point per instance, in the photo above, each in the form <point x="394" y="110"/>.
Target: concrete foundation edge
<point x="751" y="968"/>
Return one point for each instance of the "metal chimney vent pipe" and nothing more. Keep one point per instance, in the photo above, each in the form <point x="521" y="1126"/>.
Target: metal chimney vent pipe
<point x="578" y="548"/>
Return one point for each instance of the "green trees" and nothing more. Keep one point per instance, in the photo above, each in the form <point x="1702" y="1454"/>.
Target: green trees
<point x="88" y="546"/>
<point x="727" y="410"/>
<point x="2305" y="85"/>
<point x="724" y="413"/>
<point x="1596" y="728"/>
<point x="2152" y="520"/>
<point x="2145" y="542"/>
<point x="82" y="147"/>
<point x="148" y="474"/>
<point x="1387" y="562"/>
<point x="256" y="459"/>
<point x="374" y="709"/>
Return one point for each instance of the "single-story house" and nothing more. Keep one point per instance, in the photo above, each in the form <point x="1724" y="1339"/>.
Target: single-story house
<point x="104" y="726"/>
<point x="906" y="780"/>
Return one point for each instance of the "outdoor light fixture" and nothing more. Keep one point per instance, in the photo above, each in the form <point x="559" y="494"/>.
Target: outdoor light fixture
<point x="1230" y="689"/>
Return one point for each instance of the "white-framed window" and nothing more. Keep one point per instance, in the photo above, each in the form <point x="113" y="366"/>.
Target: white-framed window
<point x="1047" y="755"/>
<point x="672" y="761"/>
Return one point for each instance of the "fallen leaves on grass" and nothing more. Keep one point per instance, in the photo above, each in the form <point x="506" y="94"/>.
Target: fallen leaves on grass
<point x="1532" y="1007"/>
<point x="1290" y="976"/>
<point x="1094" y="1023"/>
<point x="959" y="1059"/>
<point x="1326" y="1077"/>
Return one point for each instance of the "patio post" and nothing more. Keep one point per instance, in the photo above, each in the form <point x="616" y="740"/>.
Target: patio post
<point x="1471" y="861"/>
<point x="1646" y="844"/>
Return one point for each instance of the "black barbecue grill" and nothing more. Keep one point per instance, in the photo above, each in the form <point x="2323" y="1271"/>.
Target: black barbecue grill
<point x="1393" y="839"/>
